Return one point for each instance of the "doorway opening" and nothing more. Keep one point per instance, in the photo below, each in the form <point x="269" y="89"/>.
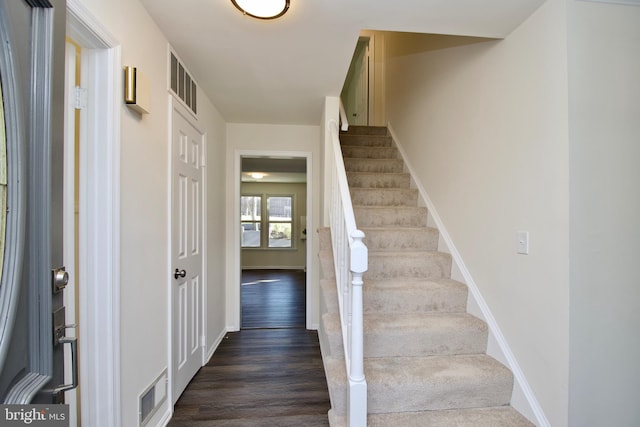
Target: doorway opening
<point x="273" y="242"/>
<point x="92" y="190"/>
<point x="355" y="93"/>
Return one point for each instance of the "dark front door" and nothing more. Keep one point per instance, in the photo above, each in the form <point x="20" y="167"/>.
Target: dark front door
<point x="32" y="320"/>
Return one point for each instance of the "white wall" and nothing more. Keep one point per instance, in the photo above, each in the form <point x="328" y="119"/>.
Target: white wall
<point x="144" y="180"/>
<point x="216" y="128"/>
<point x="294" y="140"/>
<point x="485" y="125"/>
<point x="604" y="107"/>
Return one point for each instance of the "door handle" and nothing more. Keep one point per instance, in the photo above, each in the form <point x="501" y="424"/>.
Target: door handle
<point x="58" y="391"/>
<point x="74" y="364"/>
<point x="179" y="273"/>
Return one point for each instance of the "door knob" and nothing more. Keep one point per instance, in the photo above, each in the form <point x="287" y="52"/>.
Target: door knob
<point x="179" y="273"/>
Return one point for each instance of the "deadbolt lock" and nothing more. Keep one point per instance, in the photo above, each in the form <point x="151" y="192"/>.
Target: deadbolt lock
<point x="59" y="279"/>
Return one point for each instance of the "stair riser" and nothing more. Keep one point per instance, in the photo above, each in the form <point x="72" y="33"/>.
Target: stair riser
<point x="436" y="386"/>
<point x="504" y="416"/>
<point x="366" y="141"/>
<point x="374" y="165"/>
<point x="390" y="216"/>
<point x="361" y="152"/>
<point x="460" y="335"/>
<point x="414" y="302"/>
<point x="384" y="197"/>
<point x="427" y="388"/>
<point x="425" y="343"/>
<point x="374" y="180"/>
<point x="428" y="265"/>
<point x="424" y="239"/>
<point x="420" y="299"/>
<point x="366" y="130"/>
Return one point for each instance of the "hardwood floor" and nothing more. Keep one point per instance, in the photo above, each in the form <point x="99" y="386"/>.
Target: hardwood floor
<point x="273" y="299"/>
<point x="261" y="377"/>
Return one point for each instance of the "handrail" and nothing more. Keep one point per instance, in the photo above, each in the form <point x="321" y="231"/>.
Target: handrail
<point x="351" y="261"/>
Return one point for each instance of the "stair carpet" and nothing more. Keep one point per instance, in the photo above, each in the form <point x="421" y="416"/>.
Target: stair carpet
<point x="425" y="356"/>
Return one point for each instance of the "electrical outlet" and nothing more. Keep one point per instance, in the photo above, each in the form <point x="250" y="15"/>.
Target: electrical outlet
<point x="522" y="242"/>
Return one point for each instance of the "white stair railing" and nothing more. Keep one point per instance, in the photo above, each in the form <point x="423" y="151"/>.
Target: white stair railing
<point x="351" y="261"/>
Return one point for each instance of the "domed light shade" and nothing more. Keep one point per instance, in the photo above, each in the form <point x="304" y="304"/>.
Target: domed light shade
<point x="262" y="9"/>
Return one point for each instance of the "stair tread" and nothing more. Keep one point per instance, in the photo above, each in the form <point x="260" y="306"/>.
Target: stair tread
<point x="365" y="130"/>
<point x="412" y="253"/>
<point x="386" y="189"/>
<point x="377" y="173"/>
<point x="385" y="322"/>
<point x="414" y="334"/>
<point x="382" y="159"/>
<point x="406" y="295"/>
<point x="407" y="384"/>
<point x="501" y="416"/>
<point x="497" y="416"/>
<point x="417" y="229"/>
<point x="417" y="282"/>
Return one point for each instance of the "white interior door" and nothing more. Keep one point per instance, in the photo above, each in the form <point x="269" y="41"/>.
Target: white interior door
<point x="361" y="86"/>
<point x="355" y="94"/>
<point x="186" y="246"/>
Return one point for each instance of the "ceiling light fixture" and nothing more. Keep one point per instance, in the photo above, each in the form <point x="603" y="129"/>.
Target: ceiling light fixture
<point x="262" y="9"/>
<point x="257" y="175"/>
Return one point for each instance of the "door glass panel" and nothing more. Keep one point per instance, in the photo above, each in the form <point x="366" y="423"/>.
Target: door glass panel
<point x="3" y="180"/>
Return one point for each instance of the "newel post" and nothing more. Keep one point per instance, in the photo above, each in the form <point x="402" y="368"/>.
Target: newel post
<point x="358" y="386"/>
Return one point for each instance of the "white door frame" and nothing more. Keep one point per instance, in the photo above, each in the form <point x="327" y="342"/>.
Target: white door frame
<point x="99" y="244"/>
<point x="173" y="105"/>
<point x="233" y="286"/>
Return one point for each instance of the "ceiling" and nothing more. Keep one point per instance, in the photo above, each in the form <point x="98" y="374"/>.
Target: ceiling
<point x="280" y="170"/>
<point x="280" y="71"/>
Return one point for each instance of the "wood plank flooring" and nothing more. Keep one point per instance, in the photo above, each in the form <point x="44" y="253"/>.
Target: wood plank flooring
<point x="273" y="299"/>
<point x="260" y="377"/>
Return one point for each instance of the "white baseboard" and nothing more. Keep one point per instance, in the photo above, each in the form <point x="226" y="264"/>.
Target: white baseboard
<point x="166" y="417"/>
<point x="214" y="346"/>
<point x="523" y="398"/>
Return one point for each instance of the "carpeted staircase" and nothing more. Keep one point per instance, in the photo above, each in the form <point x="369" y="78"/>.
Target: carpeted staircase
<point x="425" y="360"/>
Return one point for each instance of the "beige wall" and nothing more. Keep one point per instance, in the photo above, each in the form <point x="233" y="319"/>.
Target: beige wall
<point x="145" y="194"/>
<point x="484" y="125"/>
<point x="296" y="257"/>
<point x="604" y="107"/>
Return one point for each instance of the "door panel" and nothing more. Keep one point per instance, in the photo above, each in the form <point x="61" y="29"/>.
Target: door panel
<point x="355" y="95"/>
<point x="32" y="72"/>
<point x="361" y="88"/>
<point x="187" y="161"/>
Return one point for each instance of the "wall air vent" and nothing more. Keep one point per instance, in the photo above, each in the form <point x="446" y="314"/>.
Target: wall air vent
<point x="182" y="84"/>
<point x="152" y="398"/>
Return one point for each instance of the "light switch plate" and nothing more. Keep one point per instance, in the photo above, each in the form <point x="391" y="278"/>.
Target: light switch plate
<point x="522" y="242"/>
